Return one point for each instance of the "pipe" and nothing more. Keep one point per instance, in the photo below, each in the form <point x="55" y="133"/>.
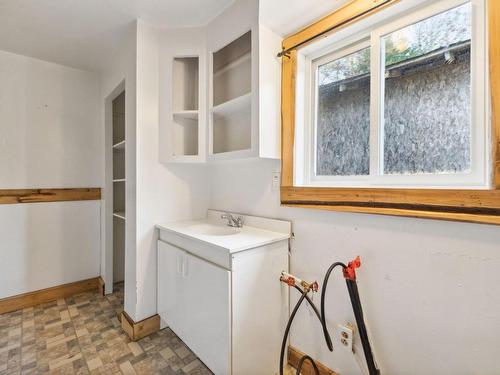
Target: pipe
<point x="287" y="330"/>
<point x="352" y="287"/>
<point x="349" y="272"/>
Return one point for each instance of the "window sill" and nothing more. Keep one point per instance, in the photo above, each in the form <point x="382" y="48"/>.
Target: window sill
<point x="476" y="206"/>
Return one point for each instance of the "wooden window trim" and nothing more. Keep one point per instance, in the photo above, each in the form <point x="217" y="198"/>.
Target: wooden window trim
<point x="478" y="206"/>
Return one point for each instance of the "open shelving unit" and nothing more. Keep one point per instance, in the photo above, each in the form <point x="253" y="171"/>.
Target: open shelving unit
<point x="119" y="146"/>
<point x="185" y="127"/>
<point x="220" y="93"/>
<point x="233" y="106"/>
<point x="231" y="115"/>
<point x="119" y="214"/>
<point x="119" y="188"/>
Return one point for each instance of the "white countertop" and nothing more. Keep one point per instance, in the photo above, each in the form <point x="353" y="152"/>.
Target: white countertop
<point x="232" y="239"/>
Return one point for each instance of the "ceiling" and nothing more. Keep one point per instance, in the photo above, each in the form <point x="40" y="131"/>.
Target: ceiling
<point x="288" y="16"/>
<point x="83" y="33"/>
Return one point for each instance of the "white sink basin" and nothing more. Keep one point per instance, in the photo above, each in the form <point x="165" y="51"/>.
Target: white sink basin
<point x="213" y="230"/>
<point x="212" y="234"/>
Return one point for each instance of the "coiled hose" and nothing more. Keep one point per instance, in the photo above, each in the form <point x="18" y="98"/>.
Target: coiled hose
<point x="349" y="274"/>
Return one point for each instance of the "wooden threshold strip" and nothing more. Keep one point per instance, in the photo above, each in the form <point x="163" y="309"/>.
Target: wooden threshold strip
<point x="12" y="196"/>
<point x="294" y="356"/>
<point x="138" y="330"/>
<point x="22" y="301"/>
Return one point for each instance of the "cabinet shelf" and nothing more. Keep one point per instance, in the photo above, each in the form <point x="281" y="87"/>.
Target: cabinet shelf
<point x="233" y="106"/>
<point x="233" y="64"/>
<point x="185" y="113"/>
<point x="188" y="114"/>
<point x="119" y="146"/>
<point x="119" y="214"/>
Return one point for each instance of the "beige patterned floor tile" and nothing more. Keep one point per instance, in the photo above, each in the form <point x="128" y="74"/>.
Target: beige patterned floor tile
<point x="82" y="335"/>
<point x="127" y="368"/>
<point x="94" y="363"/>
<point x="135" y="348"/>
<point x="64" y="360"/>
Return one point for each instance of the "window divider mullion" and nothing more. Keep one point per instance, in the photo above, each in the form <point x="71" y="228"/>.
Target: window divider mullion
<point x="375" y="105"/>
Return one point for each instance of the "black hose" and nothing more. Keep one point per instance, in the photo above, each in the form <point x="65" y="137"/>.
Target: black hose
<point x="322" y="306"/>
<point x="287" y="330"/>
<point x="358" y="313"/>
<point x="320" y="315"/>
<point x="307" y="358"/>
<point x="352" y="287"/>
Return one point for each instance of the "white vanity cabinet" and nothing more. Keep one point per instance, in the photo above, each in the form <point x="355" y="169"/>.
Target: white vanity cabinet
<point x="220" y="292"/>
<point x="195" y="301"/>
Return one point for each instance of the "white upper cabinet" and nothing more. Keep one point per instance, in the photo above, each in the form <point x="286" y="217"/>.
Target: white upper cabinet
<point x="183" y="106"/>
<point x="230" y="115"/>
<point x="221" y="89"/>
<point x="244" y="85"/>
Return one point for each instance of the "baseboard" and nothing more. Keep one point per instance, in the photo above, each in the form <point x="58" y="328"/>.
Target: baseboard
<point x="22" y="301"/>
<point x="137" y="331"/>
<point x="294" y="356"/>
<point x="101" y="285"/>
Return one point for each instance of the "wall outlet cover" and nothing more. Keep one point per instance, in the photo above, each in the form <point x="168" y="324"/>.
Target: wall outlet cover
<point x="345" y="336"/>
<point x="276" y="181"/>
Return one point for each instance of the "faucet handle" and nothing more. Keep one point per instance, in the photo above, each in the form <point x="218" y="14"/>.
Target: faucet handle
<point x="239" y="221"/>
<point x="232" y="221"/>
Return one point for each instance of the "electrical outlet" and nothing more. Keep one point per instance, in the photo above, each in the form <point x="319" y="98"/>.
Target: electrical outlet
<point x="276" y="180"/>
<point x="345" y="335"/>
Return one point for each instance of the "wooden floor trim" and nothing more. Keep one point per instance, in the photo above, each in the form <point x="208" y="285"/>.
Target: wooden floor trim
<point x="101" y="285"/>
<point x="137" y="331"/>
<point x="13" y="196"/>
<point x="30" y="299"/>
<point x="294" y="356"/>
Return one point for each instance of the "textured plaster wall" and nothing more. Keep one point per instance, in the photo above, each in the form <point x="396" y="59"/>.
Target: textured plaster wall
<point x="427" y="123"/>
<point x="344" y="131"/>
<point x="427" y="120"/>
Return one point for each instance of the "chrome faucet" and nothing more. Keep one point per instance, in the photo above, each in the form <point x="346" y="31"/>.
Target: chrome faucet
<point x="236" y="222"/>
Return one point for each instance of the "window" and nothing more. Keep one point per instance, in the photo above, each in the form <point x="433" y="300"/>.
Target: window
<point x="391" y="113"/>
<point x="395" y="109"/>
<point x="342" y="118"/>
<point x="427" y="101"/>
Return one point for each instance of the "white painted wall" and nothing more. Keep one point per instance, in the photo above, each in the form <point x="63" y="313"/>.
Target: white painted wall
<point x="49" y="137"/>
<point x="165" y="192"/>
<point x="120" y="74"/>
<point x="155" y="192"/>
<point x="430" y="289"/>
<point x="49" y="131"/>
<point x="47" y="244"/>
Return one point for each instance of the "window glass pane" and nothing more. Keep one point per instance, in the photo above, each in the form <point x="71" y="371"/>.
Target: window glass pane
<point x="427" y="108"/>
<point x="343" y="116"/>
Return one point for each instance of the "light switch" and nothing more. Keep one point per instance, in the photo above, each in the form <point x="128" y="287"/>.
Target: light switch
<point x="276" y="181"/>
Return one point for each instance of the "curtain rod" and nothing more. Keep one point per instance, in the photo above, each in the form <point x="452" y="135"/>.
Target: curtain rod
<point x="286" y="52"/>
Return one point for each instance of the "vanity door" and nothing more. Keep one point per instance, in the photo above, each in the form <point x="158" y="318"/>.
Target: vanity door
<point x="171" y="297"/>
<point x="207" y="289"/>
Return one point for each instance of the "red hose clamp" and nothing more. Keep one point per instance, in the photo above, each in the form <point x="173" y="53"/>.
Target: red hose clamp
<point x="315" y="286"/>
<point x="350" y="270"/>
<point x="290" y="281"/>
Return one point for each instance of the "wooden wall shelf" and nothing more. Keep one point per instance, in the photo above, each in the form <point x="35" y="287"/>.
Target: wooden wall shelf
<point x="13" y="196"/>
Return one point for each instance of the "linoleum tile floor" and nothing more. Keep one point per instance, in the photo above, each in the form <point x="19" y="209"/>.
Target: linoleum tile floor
<point x="82" y="335"/>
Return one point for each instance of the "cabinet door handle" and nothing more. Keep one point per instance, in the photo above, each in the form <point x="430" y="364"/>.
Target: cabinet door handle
<point x="180" y="264"/>
<point x="185" y="266"/>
